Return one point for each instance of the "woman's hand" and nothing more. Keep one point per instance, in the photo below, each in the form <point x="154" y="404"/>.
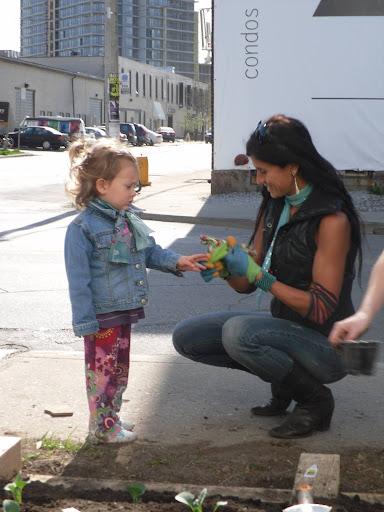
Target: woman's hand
<point x="350" y="328"/>
<point x="240" y="264"/>
<point x="193" y="263"/>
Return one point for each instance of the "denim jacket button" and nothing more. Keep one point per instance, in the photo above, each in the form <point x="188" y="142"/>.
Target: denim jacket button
<point x="140" y="282"/>
<point x="137" y="266"/>
<point x="133" y="249"/>
<point x="144" y="301"/>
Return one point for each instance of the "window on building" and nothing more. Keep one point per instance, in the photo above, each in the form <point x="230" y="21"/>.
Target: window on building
<point x="42" y="112"/>
<point x="156" y="89"/>
<point x="181" y="94"/>
<point x="144" y="86"/>
<point x="137" y="83"/>
<point x="162" y="88"/>
<point x="150" y="86"/>
<point x="172" y="93"/>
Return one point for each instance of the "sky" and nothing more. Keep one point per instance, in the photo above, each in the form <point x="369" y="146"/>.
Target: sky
<point x="10" y="23"/>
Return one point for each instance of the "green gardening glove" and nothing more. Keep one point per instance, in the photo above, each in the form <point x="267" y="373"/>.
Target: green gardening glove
<point x="240" y="264"/>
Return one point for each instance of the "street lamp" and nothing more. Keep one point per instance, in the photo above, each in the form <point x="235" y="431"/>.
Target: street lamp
<point x="111" y="71"/>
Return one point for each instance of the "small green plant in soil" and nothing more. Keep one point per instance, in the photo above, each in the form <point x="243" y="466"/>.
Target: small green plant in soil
<point x="15" y="488"/>
<point x="136" y="492"/>
<point x="10" y="506"/>
<point x="196" y="503"/>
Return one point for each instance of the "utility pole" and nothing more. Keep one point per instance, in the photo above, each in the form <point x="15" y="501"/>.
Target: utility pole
<point x="111" y="70"/>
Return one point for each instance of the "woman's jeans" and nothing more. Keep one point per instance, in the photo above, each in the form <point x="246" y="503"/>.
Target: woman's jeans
<point x="257" y="343"/>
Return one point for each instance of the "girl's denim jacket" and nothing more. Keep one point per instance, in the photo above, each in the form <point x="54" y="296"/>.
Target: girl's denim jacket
<point x="99" y="286"/>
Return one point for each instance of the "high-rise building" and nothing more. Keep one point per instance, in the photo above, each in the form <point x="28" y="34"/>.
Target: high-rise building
<point x="162" y="33"/>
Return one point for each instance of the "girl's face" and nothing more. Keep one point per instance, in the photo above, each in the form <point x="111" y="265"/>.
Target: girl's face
<point x="120" y="191"/>
<point x="279" y="181"/>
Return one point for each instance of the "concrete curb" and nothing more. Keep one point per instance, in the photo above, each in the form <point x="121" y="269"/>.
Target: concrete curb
<point x="70" y="484"/>
<point x="371" y="228"/>
<point x="76" y="485"/>
<point x="211" y="221"/>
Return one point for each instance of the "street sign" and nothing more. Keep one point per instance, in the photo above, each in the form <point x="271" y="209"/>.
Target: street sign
<point x="114" y="97"/>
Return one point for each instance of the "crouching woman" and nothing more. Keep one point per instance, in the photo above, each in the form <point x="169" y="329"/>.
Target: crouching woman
<point x="306" y="240"/>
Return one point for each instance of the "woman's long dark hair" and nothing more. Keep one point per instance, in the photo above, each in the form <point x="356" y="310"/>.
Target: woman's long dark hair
<point x="283" y="140"/>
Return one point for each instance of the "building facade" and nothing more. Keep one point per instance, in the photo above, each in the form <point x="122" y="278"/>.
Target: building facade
<point x="74" y="86"/>
<point x="162" y="33"/>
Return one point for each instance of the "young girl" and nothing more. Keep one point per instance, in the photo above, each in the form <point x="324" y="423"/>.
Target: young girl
<point x="107" y="251"/>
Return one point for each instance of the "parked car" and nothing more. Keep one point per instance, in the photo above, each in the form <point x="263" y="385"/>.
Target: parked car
<point x="130" y="131"/>
<point x="142" y="135"/>
<point x="39" y="136"/>
<point x="208" y="137"/>
<point x="95" y="133"/>
<point x="123" y="138"/>
<point x="167" y="133"/>
<point x="155" y="138"/>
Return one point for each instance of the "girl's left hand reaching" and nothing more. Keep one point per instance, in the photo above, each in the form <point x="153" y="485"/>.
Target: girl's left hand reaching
<point x="194" y="262"/>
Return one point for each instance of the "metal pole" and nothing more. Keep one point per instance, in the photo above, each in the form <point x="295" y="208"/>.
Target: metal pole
<point x="111" y="71"/>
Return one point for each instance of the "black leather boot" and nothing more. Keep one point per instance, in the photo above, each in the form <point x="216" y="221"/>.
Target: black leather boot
<point x="276" y="406"/>
<point x="314" y="407"/>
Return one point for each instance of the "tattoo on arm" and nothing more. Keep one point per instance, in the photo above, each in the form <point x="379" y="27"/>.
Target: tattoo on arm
<point x="323" y="304"/>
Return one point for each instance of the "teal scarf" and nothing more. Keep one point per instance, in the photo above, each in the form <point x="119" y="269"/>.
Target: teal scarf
<point x="120" y="248"/>
<point x="295" y="200"/>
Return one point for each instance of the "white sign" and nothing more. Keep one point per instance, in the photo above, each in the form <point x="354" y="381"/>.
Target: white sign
<point x="124" y="83"/>
<point x="318" y="60"/>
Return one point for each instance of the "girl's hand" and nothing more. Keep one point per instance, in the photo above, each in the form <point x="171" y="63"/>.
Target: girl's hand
<point x="350" y="328"/>
<point x="194" y="262"/>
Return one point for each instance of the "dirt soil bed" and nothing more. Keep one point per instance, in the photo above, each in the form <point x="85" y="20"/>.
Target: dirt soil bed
<point x="256" y="464"/>
<point x="153" y="502"/>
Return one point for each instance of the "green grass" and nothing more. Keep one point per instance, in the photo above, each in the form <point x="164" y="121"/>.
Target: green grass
<point x="158" y="461"/>
<point x="9" y="152"/>
<point x="49" y="442"/>
<point x="377" y="189"/>
<point x="30" y="456"/>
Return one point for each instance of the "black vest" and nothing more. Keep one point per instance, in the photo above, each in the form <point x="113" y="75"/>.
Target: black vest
<point x="294" y="252"/>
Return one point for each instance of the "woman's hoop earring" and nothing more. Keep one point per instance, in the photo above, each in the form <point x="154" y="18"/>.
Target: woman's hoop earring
<point x="297" y="190"/>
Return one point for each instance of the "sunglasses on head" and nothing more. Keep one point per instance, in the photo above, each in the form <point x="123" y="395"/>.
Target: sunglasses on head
<point x="261" y="131"/>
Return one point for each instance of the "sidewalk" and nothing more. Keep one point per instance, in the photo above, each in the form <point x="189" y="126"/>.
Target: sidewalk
<point x="174" y="401"/>
<point x="171" y="399"/>
<point x="188" y="199"/>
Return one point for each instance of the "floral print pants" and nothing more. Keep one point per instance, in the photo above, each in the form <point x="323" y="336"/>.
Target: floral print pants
<point x="106" y="370"/>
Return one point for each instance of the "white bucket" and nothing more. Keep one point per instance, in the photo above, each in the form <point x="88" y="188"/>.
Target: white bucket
<point x="308" y="507"/>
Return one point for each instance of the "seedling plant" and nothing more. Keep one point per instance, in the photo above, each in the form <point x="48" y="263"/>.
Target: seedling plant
<point x="195" y="503"/>
<point x="136" y="492"/>
<point x="15" y="488"/>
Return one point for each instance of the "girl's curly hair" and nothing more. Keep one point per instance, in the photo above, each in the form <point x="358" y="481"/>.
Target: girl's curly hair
<point x="91" y="160"/>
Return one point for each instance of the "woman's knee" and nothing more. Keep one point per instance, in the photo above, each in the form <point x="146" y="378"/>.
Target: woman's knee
<point x="234" y="334"/>
<point x="180" y="338"/>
